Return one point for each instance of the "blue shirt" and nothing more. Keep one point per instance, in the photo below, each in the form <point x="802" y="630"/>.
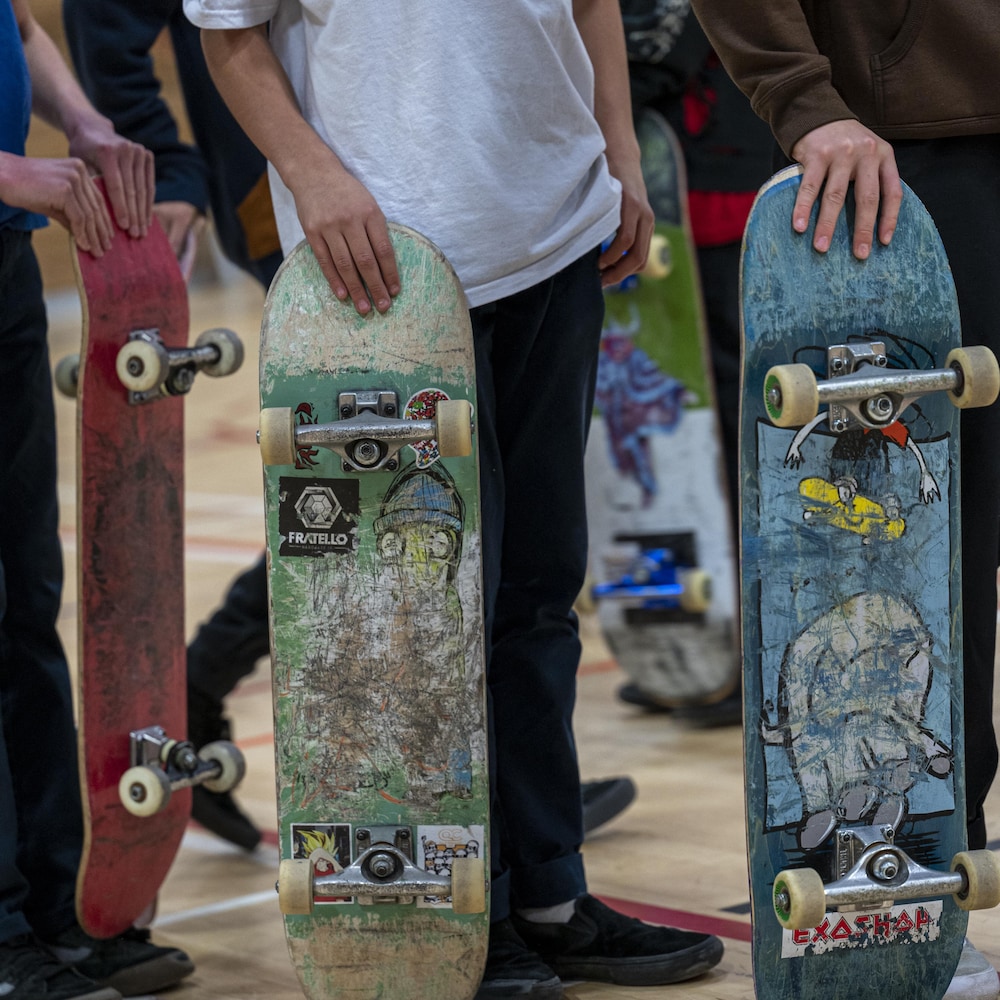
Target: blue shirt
<point x="15" y="109"/>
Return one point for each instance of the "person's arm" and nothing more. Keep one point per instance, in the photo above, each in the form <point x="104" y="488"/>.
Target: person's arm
<point x="110" y="42"/>
<point x="768" y="50"/>
<point x="600" y="26"/>
<point x="342" y="221"/>
<point x="58" y="99"/>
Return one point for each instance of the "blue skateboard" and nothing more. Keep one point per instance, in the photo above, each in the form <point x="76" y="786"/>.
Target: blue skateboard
<point x="852" y="379"/>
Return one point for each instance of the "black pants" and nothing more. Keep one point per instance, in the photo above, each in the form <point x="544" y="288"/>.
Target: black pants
<point x="41" y="831"/>
<point x="958" y="180"/>
<point x="536" y="362"/>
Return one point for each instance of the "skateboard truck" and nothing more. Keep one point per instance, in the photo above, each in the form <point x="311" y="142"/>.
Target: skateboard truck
<point x="382" y="871"/>
<point x="873" y="873"/>
<point x="655" y="577"/>
<point x="149" y="370"/>
<point x="160" y="765"/>
<point x="861" y="391"/>
<point x="370" y="432"/>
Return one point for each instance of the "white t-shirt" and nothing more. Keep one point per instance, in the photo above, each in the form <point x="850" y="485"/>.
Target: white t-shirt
<point x="470" y="121"/>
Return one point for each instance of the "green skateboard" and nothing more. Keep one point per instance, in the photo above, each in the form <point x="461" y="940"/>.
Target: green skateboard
<point x="662" y="554"/>
<point x="373" y="539"/>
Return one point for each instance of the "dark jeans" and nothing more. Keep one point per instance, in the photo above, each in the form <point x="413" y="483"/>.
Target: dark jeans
<point x="227" y="646"/>
<point x="957" y="179"/>
<point x="40" y="813"/>
<point x="536" y="358"/>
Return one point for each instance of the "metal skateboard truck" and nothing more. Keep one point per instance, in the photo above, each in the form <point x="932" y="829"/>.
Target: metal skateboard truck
<point x="382" y="872"/>
<point x="370" y="433"/>
<point x="161" y="765"/>
<point x="148" y="369"/>
<point x="873" y="872"/>
<point x="861" y="391"/>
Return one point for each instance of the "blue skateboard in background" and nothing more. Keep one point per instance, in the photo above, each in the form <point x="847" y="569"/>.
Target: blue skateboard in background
<point x="851" y="608"/>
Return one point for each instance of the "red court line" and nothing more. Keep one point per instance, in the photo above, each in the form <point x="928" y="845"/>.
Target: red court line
<point x="601" y="667"/>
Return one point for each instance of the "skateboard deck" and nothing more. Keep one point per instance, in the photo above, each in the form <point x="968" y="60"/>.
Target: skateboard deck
<point x="851" y="608"/>
<point x="132" y="673"/>
<point x="662" y="553"/>
<point x="373" y="538"/>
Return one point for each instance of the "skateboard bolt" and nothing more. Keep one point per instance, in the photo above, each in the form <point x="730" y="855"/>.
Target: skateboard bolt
<point x="382" y="866"/>
<point x="389" y="409"/>
<point x="367" y="453"/>
<point x="347" y="411"/>
<point x="183" y="380"/>
<point x="879" y="409"/>
<point x="186" y="757"/>
<point x="363" y="835"/>
<point x="881" y="360"/>
<point x="837" y="365"/>
<point x="884" y="867"/>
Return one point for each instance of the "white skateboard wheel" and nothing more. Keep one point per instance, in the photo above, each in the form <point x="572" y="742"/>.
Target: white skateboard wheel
<point x="230" y="349"/>
<point x="144" y="791"/>
<point x="799" y="898"/>
<point x="980" y="376"/>
<point x="791" y="396"/>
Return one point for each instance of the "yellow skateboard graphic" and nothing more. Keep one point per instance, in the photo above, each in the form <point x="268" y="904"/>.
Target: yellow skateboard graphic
<point x="840" y="505"/>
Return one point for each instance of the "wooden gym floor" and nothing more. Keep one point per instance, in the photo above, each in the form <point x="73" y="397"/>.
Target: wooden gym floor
<point x="676" y="856"/>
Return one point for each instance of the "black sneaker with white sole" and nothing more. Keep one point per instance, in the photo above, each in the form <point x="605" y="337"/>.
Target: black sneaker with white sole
<point x="602" y="945"/>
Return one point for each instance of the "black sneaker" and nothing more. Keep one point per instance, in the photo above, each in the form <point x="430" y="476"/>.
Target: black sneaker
<point x="513" y="970"/>
<point x="603" y="800"/>
<point x="605" y="946"/>
<point x="128" y="963"/>
<point x="28" y="971"/>
<point x="216" y="811"/>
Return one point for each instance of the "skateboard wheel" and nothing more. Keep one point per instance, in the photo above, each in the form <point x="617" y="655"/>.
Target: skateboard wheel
<point x="980" y="376"/>
<point x="981" y="871"/>
<point x="277" y="435"/>
<point x="295" y="886"/>
<point x="230" y="349"/>
<point x="144" y="791"/>
<point x="67" y="375"/>
<point x="791" y="396"/>
<point x="468" y="885"/>
<point x="696" y="592"/>
<point x="454" y="427"/>
<point x="231" y="763"/>
<point x="659" y="263"/>
<point x="142" y="365"/>
<point x="799" y="898"/>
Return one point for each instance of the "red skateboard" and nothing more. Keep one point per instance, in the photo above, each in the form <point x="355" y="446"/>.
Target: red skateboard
<point x="135" y="763"/>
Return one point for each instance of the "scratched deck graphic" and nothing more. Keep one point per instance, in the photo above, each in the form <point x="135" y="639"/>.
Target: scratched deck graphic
<point x="376" y="624"/>
<point x="655" y="483"/>
<point x="851" y="609"/>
